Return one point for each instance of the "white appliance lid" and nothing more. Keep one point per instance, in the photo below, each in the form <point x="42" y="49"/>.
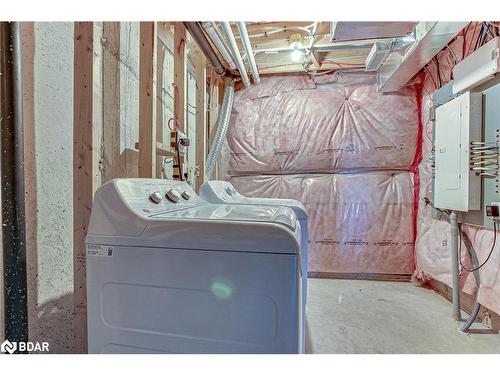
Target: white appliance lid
<point x="226" y="212"/>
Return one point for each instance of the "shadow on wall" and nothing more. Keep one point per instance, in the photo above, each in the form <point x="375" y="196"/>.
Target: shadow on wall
<point x="51" y="317"/>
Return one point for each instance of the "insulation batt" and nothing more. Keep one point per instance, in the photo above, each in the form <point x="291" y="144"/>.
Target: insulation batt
<point x="358" y="223"/>
<point x="433" y="258"/>
<point x="342" y="149"/>
<point x="339" y="124"/>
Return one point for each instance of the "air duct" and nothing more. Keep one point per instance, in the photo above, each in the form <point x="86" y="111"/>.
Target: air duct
<point x="236" y="53"/>
<point x="222" y="125"/>
<point x="248" y="49"/>
<point x="213" y="34"/>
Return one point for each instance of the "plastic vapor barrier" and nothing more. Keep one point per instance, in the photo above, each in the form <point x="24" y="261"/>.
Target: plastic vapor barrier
<point x="433" y="257"/>
<point x="342" y="149"/>
<point x="358" y="223"/>
<point x="339" y="124"/>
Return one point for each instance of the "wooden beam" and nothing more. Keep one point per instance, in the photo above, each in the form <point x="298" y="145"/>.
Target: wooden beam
<point x="160" y="59"/>
<point x="84" y="182"/>
<point x="180" y="75"/>
<point x="213" y="105"/>
<point x="111" y="100"/>
<point x="201" y="118"/>
<point x="147" y="95"/>
<point x="221" y="87"/>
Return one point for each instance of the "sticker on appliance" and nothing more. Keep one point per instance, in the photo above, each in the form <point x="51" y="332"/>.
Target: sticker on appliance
<point x="100" y="250"/>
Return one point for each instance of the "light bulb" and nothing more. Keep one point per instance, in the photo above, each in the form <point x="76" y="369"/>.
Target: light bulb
<point x="297" y="55"/>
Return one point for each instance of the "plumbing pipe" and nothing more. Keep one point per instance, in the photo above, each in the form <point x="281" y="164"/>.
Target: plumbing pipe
<point x="248" y="49"/>
<point x="12" y="184"/>
<point x="197" y="33"/>
<point x="313" y="37"/>
<point x="213" y="34"/>
<point x="455" y="266"/>
<point x="222" y="125"/>
<point x="236" y="52"/>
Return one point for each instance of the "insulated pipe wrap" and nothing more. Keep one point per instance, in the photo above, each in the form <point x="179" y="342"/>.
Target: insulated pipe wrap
<point x="222" y="125"/>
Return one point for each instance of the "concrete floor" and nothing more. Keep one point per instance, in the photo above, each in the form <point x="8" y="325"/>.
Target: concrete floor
<point x="356" y="316"/>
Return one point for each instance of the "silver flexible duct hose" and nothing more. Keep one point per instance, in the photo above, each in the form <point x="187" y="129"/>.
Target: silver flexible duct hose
<point x="222" y="125"/>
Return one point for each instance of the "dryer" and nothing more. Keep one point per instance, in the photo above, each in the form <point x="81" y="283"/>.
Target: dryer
<point x="168" y="272"/>
<point x="224" y="192"/>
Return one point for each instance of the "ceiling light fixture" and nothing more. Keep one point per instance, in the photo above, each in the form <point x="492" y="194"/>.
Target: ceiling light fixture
<point x="297" y="47"/>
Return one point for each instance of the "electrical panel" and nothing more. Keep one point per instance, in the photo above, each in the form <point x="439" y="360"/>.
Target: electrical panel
<point x="457" y="185"/>
<point x="483" y="152"/>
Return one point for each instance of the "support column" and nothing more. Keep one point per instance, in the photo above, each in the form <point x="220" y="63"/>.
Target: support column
<point x="147" y="101"/>
<point x="84" y="161"/>
<point x="201" y="118"/>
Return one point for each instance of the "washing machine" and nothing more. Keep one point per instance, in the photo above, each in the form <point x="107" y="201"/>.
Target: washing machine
<point x="224" y="192"/>
<point x="168" y="272"/>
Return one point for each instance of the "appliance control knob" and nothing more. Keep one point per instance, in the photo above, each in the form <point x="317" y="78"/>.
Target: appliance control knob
<point x="186" y="194"/>
<point x="155" y="197"/>
<point x="173" y="195"/>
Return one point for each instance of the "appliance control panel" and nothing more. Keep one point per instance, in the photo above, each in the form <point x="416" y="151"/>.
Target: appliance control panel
<point x="151" y="196"/>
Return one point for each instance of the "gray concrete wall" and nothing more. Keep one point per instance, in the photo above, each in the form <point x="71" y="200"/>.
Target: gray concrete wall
<point x="48" y="66"/>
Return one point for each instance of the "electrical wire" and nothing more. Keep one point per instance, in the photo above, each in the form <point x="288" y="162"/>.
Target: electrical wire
<point x="489" y="254"/>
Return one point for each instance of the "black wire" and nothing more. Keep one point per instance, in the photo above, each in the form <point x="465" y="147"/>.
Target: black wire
<point x="178" y="156"/>
<point x="489" y="255"/>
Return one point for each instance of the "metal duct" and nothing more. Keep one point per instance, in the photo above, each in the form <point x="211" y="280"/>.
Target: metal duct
<point x="401" y="65"/>
<point x="12" y="172"/>
<point x="236" y="53"/>
<point x="212" y="33"/>
<point x="222" y="125"/>
<point x="197" y="33"/>
<point x="248" y="49"/>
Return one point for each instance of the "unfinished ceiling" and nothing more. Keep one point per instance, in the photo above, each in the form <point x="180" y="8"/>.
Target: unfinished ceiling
<point x="271" y="43"/>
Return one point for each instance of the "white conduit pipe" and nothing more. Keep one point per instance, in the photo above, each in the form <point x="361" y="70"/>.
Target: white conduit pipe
<point x="222" y="125"/>
<point x="212" y="33"/>
<point x="236" y="53"/>
<point x="248" y="49"/>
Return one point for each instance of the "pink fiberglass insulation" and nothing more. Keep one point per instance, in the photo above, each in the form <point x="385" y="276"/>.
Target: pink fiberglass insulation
<point x="433" y="257"/>
<point x="340" y="123"/>
<point x="358" y="222"/>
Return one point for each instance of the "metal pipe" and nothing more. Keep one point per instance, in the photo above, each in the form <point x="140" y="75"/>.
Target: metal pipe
<point x="222" y="125"/>
<point x="213" y="34"/>
<point x="197" y="33"/>
<point x="236" y="52"/>
<point x="12" y="173"/>
<point x="455" y="266"/>
<point x="248" y="49"/>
